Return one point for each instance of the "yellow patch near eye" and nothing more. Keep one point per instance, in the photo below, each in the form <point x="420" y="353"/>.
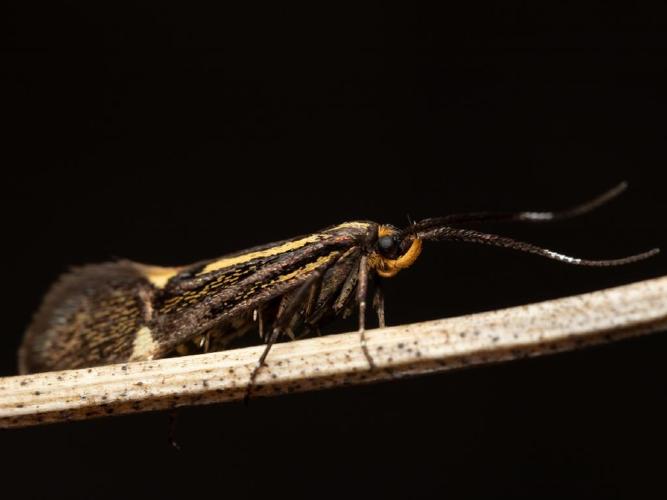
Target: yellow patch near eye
<point x="385" y="231"/>
<point x="388" y="268"/>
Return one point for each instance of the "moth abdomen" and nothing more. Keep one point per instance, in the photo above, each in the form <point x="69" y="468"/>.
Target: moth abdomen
<point x="90" y="316"/>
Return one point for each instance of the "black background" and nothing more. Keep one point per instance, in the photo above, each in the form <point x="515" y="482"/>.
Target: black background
<point x="168" y="134"/>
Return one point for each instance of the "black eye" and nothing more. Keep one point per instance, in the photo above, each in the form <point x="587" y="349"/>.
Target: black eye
<point x="386" y="244"/>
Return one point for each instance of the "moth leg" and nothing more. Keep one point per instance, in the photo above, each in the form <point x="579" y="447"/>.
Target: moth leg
<point x="362" y="291"/>
<point x="275" y="333"/>
<point x="282" y="323"/>
<point x="260" y="363"/>
<point x="307" y="330"/>
<point x="257" y="316"/>
<point x="346" y="291"/>
<point x="336" y="286"/>
<point x="308" y="310"/>
<point x="378" y="303"/>
<point x="313" y="295"/>
<point x="205" y="342"/>
<point x="285" y="303"/>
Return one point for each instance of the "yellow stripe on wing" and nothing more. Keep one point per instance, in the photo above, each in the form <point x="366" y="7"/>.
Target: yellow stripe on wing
<point x="279" y="249"/>
<point x="268" y="252"/>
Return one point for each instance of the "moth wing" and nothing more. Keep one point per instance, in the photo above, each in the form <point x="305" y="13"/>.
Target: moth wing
<point x="89" y="317"/>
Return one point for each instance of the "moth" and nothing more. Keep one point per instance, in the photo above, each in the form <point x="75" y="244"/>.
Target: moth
<point x="126" y="311"/>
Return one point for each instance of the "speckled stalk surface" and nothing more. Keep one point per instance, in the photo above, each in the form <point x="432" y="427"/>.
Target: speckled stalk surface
<point x="337" y="360"/>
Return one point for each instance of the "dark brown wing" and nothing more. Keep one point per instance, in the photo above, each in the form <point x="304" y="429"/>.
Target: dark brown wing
<point x="89" y="317"/>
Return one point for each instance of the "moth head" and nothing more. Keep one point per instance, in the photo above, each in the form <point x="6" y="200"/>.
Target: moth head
<point x="397" y="249"/>
<point x="394" y="250"/>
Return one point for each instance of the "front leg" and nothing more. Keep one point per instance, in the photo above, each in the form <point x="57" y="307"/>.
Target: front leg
<point x="362" y="291"/>
<point x="378" y="303"/>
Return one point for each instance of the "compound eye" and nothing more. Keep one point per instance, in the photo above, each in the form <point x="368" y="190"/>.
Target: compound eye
<point x="386" y="245"/>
